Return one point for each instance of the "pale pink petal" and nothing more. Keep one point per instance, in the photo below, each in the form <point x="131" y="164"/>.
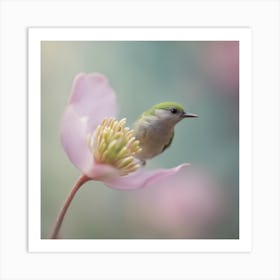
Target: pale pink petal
<point x="73" y="138"/>
<point x="141" y="178"/>
<point x="73" y="133"/>
<point x="93" y="98"/>
<point x="101" y="172"/>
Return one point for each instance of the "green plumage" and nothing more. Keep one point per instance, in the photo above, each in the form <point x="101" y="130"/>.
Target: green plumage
<point x="162" y="106"/>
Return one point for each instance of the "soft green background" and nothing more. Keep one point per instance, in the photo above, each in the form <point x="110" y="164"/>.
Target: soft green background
<point x="203" y="77"/>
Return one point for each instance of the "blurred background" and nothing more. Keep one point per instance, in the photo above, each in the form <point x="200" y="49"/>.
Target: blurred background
<point x="203" y="200"/>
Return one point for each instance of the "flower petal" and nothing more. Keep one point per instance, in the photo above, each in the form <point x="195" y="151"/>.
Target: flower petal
<point x="141" y="178"/>
<point x="93" y="98"/>
<point x="101" y="172"/>
<point x="73" y="136"/>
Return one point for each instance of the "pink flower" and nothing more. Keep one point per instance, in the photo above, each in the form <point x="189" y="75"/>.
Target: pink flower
<point x="98" y="145"/>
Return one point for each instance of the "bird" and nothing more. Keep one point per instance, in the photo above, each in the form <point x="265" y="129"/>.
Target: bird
<point x="154" y="129"/>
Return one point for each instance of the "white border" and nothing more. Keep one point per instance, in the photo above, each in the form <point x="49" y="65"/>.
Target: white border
<point x="243" y="35"/>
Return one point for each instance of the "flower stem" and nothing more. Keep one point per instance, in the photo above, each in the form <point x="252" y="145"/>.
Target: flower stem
<point x="82" y="179"/>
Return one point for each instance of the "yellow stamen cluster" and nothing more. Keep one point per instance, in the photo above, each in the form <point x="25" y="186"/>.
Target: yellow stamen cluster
<point x="114" y="144"/>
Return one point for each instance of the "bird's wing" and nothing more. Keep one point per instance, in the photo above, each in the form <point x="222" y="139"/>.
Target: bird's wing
<point x="169" y="143"/>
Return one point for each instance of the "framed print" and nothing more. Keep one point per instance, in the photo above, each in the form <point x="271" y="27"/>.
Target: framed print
<point x="81" y="198"/>
<point x="195" y="195"/>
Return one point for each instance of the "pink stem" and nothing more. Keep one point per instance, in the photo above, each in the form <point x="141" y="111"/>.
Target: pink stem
<point x="82" y="179"/>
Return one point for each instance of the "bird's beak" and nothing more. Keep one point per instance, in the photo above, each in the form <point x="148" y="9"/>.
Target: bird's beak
<point x="189" y="115"/>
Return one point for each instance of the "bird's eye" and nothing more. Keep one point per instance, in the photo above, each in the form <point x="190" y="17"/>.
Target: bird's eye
<point x="174" y="110"/>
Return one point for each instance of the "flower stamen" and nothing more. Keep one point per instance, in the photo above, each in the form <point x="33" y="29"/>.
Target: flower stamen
<point x="114" y="144"/>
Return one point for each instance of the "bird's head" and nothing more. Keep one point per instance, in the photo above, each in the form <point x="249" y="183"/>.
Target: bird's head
<point x="169" y="112"/>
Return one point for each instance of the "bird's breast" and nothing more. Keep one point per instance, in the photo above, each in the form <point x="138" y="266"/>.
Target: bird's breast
<point x="154" y="136"/>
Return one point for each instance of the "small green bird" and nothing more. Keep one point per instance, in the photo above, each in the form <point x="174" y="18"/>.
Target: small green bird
<point x="155" y="128"/>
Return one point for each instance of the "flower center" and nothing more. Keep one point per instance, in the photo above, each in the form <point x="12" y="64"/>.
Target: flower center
<point x="114" y="144"/>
